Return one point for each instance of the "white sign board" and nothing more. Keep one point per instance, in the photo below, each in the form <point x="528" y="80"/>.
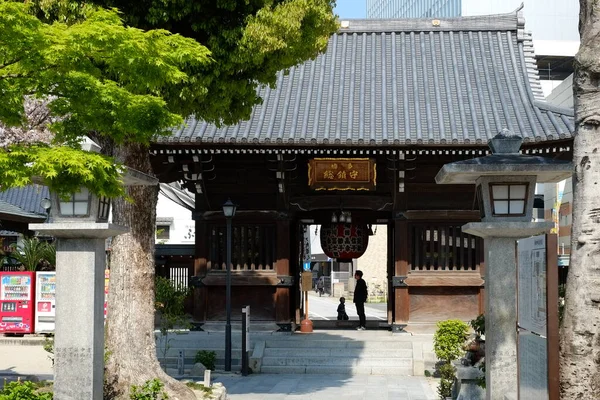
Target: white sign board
<point x="533" y="367"/>
<point x="532" y="284"/>
<point x="532" y="318"/>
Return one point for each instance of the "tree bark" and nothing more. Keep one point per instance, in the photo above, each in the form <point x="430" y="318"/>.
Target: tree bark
<point x="130" y="339"/>
<point x="580" y="331"/>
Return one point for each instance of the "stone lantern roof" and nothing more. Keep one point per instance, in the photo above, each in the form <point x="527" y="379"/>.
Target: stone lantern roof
<point x="505" y="160"/>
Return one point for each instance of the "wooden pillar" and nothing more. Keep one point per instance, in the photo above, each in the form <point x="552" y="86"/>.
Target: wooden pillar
<point x="282" y="267"/>
<point x="200" y="269"/>
<point x="401" y="254"/>
<point x="390" y="272"/>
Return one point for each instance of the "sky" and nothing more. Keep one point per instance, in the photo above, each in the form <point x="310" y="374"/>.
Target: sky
<point x="351" y="8"/>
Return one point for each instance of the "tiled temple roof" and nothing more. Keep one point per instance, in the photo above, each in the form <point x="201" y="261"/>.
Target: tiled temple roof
<point x="447" y="82"/>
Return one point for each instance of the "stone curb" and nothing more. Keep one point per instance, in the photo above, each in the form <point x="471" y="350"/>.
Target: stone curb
<point x="21" y="341"/>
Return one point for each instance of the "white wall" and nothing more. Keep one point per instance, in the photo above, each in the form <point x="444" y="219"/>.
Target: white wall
<point x="546" y="19"/>
<point x="182" y="229"/>
<point x="562" y="95"/>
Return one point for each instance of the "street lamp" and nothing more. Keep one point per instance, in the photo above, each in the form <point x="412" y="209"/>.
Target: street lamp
<point x="229" y="212"/>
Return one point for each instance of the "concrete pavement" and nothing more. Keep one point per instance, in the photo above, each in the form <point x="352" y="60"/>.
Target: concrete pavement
<point x="31" y="360"/>
<point x="325" y="308"/>
<point x="327" y="387"/>
<point x="25" y="360"/>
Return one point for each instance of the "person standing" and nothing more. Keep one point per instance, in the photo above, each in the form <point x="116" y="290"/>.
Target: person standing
<point x="360" y="297"/>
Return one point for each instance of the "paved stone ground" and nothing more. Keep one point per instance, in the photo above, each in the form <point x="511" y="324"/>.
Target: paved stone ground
<point x="327" y="387"/>
<point x="29" y="359"/>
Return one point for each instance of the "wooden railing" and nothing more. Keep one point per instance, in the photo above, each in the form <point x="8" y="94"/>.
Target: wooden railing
<point x="252" y="249"/>
<point x="444" y="247"/>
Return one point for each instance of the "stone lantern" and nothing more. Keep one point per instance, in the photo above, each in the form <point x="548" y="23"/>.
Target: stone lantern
<point x="80" y="223"/>
<point x="505" y="186"/>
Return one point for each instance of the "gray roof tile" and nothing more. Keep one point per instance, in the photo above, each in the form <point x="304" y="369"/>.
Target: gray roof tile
<point x="403" y="82"/>
<point x="26" y="198"/>
<point x="12" y="210"/>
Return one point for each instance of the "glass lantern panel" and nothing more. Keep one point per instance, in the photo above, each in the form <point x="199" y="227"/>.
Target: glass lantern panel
<point x="80" y="208"/>
<point x="500" y="207"/>
<point x="66" y="208"/>
<point x="500" y="191"/>
<point x="517" y="207"/>
<point x="517" y="192"/>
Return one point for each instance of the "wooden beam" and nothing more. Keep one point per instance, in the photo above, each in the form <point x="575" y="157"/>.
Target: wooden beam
<point x="367" y="201"/>
<point x="241" y="278"/>
<point x="464" y="215"/>
<point x="444" y="278"/>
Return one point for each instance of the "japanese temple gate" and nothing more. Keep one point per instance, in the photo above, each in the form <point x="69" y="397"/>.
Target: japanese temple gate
<point x="402" y="97"/>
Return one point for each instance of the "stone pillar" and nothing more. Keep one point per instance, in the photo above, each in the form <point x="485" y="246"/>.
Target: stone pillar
<point x="500" y="317"/>
<point x="79" y="331"/>
<point x="501" y="376"/>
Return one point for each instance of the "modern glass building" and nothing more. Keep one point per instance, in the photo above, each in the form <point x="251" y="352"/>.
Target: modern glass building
<point x="413" y="8"/>
<point x="552" y="24"/>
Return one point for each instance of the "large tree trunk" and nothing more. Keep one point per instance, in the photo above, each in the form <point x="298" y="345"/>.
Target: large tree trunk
<point x="130" y="327"/>
<point x="580" y="332"/>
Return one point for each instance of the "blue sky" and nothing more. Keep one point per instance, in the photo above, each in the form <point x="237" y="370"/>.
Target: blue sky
<point x="351" y="8"/>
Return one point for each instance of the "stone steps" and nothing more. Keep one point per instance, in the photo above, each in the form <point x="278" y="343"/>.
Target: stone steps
<point x="338" y="352"/>
<point x="338" y="370"/>
<point x="347" y="353"/>
<point x="379" y="355"/>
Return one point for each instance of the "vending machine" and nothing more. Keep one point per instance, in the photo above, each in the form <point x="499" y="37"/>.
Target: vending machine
<point x="17" y="290"/>
<point x="45" y="304"/>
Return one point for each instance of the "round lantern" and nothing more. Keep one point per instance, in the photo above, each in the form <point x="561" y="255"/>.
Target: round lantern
<point x="344" y="241"/>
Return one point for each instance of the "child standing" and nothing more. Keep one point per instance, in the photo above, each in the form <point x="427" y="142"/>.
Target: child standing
<point x="341" y="310"/>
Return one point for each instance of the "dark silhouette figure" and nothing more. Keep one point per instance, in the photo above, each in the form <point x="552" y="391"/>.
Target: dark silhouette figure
<point x="341" y="310"/>
<point x="360" y="297"/>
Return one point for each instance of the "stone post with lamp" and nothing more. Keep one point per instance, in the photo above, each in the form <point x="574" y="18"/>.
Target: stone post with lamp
<point x="505" y="188"/>
<point x="80" y="223"/>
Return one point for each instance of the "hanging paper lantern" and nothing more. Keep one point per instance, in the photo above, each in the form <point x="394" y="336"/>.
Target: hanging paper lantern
<point x="344" y="241"/>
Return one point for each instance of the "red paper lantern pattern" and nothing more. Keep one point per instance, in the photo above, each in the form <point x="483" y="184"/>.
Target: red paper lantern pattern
<point x="344" y="241"/>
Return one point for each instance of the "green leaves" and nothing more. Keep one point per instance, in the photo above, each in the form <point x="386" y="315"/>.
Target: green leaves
<point x="62" y="169"/>
<point x="32" y="252"/>
<point x="449" y="339"/>
<point x="96" y="75"/>
<point x="128" y="85"/>
<point x="22" y="390"/>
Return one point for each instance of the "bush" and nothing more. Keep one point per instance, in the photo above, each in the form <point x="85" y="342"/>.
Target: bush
<point x="169" y="304"/>
<point x="448" y="344"/>
<point x="199" y="386"/>
<point x="151" y="390"/>
<point x="49" y="347"/>
<point x="449" y="339"/>
<point x="447" y="375"/>
<point x="478" y="325"/>
<point x="23" y="390"/>
<point x="207" y="358"/>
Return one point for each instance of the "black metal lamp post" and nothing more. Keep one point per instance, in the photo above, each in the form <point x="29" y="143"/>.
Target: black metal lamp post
<point x="229" y="213"/>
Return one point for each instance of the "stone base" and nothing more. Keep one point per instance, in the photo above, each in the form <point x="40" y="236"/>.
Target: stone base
<point x="466" y="387"/>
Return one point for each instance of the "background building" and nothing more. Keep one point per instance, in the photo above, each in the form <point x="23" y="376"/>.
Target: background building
<point x="413" y="8"/>
<point x="552" y="23"/>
